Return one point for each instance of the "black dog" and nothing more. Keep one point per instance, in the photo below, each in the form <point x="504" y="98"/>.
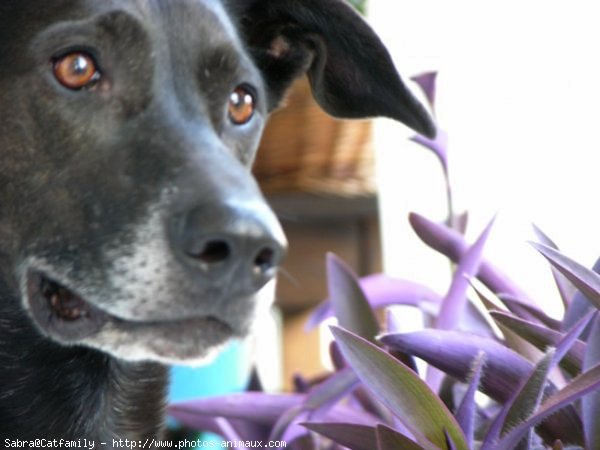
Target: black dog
<point x="131" y="231"/>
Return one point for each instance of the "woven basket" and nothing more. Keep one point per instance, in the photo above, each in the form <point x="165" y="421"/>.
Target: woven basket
<point x="305" y="150"/>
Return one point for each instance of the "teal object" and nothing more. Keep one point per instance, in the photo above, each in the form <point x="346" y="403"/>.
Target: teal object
<point x="229" y="372"/>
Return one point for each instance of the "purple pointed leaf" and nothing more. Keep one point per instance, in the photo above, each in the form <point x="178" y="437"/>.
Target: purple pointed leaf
<point x="499" y="423"/>
<point x="449" y="442"/>
<point x="438" y="145"/>
<point x="352" y="436"/>
<point x="542" y="337"/>
<point x="591" y="403"/>
<point x="454" y="351"/>
<point x="337" y="359"/>
<point x="287" y="427"/>
<point x="467" y="410"/>
<point x="455" y="300"/>
<point x="529" y="312"/>
<point x="401" y="390"/>
<point x="565" y="289"/>
<point x="349" y="302"/>
<point x="543" y="238"/>
<point x="259" y="407"/>
<point x="579" y="306"/>
<point x="453" y="245"/>
<point x="390" y="439"/>
<point x="228" y="431"/>
<point x="382" y="291"/>
<point x="584" y="279"/>
<point x="485" y="300"/>
<point x="570" y="339"/>
<point x="584" y="384"/>
<point x="327" y="393"/>
<point x="427" y="82"/>
<point x="249" y="430"/>
<point x="363" y="400"/>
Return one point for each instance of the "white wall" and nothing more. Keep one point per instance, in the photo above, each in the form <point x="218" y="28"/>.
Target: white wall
<point x="518" y="93"/>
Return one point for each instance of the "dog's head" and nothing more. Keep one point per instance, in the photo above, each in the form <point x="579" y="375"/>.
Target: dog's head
<point x="129" y="219"/>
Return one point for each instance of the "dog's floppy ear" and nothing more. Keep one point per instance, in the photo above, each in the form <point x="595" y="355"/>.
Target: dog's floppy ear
<point x="350" y="71"/>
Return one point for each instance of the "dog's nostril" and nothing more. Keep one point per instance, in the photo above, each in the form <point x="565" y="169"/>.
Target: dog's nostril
<point x="265" y="260"/>
<point x="213" y="252"/>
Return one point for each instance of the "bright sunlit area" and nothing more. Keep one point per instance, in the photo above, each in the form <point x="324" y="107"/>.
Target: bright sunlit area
<point x="518" y="95"/>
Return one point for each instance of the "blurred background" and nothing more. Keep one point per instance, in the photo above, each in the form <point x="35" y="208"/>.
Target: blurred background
<point x="517" y="93"/>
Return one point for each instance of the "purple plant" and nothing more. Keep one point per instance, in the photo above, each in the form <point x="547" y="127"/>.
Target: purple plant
<point x="482" y="388"/>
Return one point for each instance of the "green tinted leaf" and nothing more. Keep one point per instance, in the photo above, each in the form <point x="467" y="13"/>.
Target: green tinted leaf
<point x="585" y="383"/>
<point x="390" y="439"/>
<point x="521" y="404"/>
<point x="353" y="436"/>
<point x="529" y="398"/>
<point x="401" y="390"/>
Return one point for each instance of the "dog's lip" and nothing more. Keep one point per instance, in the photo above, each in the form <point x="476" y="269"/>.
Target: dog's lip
<point x="93" y="319"/>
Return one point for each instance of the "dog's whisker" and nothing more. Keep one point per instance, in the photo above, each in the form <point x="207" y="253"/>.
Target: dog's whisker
<point x="289" y="277"/>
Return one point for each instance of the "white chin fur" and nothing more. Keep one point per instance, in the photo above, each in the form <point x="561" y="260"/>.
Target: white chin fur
<point x="133" y="354"/>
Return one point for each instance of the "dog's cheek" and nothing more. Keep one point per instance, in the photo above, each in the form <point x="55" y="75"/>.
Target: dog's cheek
<point x="243" y="141"/>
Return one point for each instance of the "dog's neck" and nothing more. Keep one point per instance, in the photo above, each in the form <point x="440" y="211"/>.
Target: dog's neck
<point x="51" y="391"/>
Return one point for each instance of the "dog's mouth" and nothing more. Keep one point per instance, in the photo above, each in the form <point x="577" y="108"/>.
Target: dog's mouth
<point x="59" y="311"/>
<point x="63" y="304"/>
<point x="67" y="317"/>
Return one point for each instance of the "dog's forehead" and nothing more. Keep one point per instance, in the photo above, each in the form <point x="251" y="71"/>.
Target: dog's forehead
<point x="184" y="17"/>
<point x="201" y="25"/>
<point x="179" y="18"/>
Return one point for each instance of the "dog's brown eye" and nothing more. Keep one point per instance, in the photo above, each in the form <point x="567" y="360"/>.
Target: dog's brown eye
<point x="76" y="70"/>
<point x="241" y="106"/>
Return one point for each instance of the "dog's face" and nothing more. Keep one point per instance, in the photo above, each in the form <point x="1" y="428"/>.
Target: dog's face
<point x="129" y="219"/>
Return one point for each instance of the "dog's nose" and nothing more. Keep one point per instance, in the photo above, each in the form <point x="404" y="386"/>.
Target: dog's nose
<point x="232" y="243"/>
